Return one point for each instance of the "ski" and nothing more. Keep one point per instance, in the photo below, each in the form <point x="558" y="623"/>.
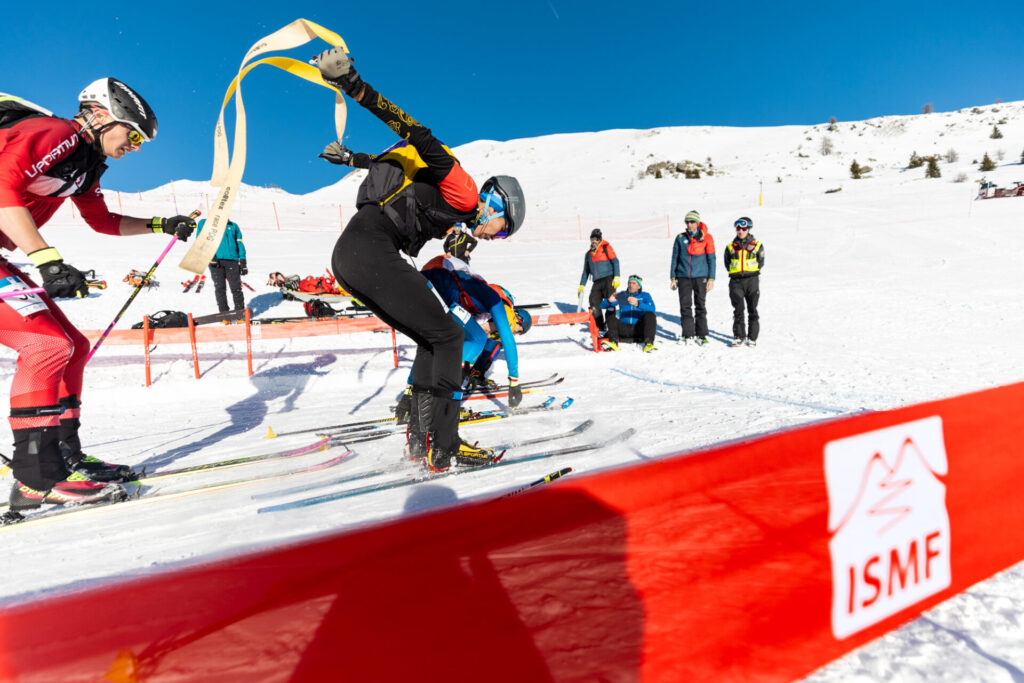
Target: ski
<point x="17" y="520"/>
<point x="348" y="479"/>
<point x="199" y="286"/>
<point x="367" y="425"/>
<point x="244" y="284"/>
<point x="502" y="389"/>
<point x="318" y="445"/>
<point x="189" y="284"/>
<point x="432" y="476"/>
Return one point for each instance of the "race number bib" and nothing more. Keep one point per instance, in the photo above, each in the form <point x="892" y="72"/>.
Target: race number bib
<point x="25" y="304"/>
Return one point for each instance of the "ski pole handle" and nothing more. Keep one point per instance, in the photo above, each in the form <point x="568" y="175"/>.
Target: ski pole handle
<point x="138" y="288"/>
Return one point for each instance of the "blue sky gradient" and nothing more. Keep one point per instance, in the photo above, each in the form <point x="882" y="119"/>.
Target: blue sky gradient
<point x="509" y="70"/>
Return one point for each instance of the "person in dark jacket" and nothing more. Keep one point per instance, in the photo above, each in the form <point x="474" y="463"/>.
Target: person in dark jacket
<point x="228" y="266"/>
<point x="414" y="192"/>
<point x="601" y="264"/>
<point x="744" y="258"/>
<point x="693" y="273"/>
<point x="631" y="317"/>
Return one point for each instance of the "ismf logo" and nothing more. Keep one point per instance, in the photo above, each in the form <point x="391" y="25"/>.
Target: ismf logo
<point x="888" y="522"/>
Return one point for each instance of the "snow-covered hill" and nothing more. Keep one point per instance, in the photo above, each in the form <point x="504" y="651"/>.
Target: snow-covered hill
<point x="891" y="291"/>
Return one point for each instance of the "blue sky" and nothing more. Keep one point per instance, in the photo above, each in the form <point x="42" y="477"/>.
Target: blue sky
<point x="509" y="70"/>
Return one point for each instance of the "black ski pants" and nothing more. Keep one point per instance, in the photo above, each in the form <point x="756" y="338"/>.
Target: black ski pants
<point x="224" y="273"/>
<point x="367" y="263"/>
<point x="601" y="289"/>
<point x="642" y="332"/>
<point x="693" y="315"/>
<point x="745" y="290"/>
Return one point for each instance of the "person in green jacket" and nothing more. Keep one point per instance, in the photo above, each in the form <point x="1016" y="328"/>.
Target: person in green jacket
<point x="228" y="266"/>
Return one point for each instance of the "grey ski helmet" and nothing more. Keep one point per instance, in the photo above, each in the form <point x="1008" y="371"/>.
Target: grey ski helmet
<point x="511" y="193"/>
<point x="124" y="104"/>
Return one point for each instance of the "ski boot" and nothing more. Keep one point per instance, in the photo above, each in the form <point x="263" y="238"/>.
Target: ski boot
<point x="417" y="438"/>
<point x="650" y="347"/>
<point x="77" y="461"/>
<point x="609" y="345"/>
<point x="440" y="459"/>
<point x="75" y="490"/>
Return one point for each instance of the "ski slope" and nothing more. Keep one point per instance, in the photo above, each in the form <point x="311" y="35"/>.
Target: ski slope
<point x="894" y="290"/>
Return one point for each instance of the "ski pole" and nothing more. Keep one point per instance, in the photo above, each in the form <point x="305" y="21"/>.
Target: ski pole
<point x="546" y="480"/>
<point x="22" y="292"/>
<point x="138" y="288"/>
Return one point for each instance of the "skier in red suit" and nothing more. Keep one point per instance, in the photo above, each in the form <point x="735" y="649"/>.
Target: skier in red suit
<point x="45" y="160"/>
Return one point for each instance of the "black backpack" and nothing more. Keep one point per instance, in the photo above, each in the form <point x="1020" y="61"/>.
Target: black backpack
<point x="165" y="319"/>
<point x="14" y="109"/>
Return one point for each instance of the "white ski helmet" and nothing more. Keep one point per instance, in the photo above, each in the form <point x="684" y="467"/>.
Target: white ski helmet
<point x="124" y="104"/>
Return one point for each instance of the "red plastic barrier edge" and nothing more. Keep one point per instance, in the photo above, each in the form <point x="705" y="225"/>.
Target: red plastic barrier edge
<point x="709" y="565"/>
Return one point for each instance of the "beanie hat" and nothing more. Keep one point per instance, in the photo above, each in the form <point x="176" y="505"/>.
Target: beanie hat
<point x="595" y="234"/>
<point x="637" y="279"/>
<point x="692" y="216"/>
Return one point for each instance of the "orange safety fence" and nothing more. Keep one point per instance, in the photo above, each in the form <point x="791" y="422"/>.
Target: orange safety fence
<point x="759" y="560"/>
<point x="252" y="330"/>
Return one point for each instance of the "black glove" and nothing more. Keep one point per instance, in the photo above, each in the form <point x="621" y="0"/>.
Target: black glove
<point x="182" y="226"/>
<point x="59" y="279"/>
<point x="404" y="407"/>
<point x="337" y="153"/>
<point x="336" y="68"/>
<point x="515" y="394"/>
<point x="243" y="267"/>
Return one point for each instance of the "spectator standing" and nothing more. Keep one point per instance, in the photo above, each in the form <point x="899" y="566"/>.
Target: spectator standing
<point x="693" y="274"/>
<point x="635" y="319"/>
<point x="744" y="257"/>
<point x="228" y="266"/>
<point x="601" y="264"/>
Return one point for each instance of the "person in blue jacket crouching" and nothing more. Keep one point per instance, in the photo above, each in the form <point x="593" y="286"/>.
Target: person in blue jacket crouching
<point x="632" y="317"/>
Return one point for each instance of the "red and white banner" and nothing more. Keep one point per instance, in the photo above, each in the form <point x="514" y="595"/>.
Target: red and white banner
<point x="760" y="560"/>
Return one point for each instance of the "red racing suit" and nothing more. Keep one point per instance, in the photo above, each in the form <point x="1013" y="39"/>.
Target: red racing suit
<point x="44" y="161"/>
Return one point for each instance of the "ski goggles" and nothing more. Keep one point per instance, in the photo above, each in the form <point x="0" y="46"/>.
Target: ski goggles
<point x="492" y="200"/>
<point x="135" y="137"/>
<point x="743" y="224"/>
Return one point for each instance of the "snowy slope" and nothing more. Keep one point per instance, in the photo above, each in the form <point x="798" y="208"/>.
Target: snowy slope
<point x="894" y="290"/>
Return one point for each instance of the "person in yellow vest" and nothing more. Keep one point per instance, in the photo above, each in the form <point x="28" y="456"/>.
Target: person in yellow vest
<point x="744" y="258"/>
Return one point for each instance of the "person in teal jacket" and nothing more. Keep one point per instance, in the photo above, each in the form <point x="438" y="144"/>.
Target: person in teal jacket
<point x="632" y="317"/>
<point x="228" y="266"/>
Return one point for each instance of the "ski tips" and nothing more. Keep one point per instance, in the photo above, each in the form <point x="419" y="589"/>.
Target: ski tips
<point x="568" y="402"/>
<point x="270" y="433"/>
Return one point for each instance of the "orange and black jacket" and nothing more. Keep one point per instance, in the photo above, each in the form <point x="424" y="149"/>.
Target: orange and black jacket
<point x="599" y="263"/>
<point x="418" y="183"/>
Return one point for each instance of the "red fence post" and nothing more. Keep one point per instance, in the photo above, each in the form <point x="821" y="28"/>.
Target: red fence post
<point x="248" y="338"/>
<point x="145" y="346"/>
<point x="192" y="338"/>
<point x="274" y="204"/>
<point x="394" y="345"/>
<point x="593" y="332"/>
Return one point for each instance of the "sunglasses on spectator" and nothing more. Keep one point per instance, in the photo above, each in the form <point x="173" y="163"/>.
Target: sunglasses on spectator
<point x="691" y="221"/>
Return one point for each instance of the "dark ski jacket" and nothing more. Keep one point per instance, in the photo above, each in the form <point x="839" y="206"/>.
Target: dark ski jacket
<point x="457" y="285"/>
<point x="693" y="256"/>
<point x="599" y="263"/>
<point x="417" y="183"/>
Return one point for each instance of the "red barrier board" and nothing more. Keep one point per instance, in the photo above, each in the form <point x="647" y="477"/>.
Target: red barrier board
<point x="759" y="560"/>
